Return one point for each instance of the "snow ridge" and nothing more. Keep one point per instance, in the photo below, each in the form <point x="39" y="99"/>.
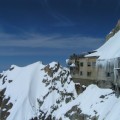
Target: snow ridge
<point x="35" y="91"/>
<point x="109" y="50"/>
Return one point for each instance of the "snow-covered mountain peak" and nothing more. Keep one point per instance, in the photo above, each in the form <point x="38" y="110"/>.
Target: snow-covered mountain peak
<point x="34" y="91"/>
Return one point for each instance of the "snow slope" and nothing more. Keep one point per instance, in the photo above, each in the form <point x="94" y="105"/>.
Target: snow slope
<point x="94" y="102"/>
<point x="46" y="92"/>
<point x="111" y="49"/>
<point x="34" y="91"/>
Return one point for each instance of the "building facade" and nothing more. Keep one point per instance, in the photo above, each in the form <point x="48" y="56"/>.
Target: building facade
<point x="83" y="69"/>
<point x="91" y="70"/>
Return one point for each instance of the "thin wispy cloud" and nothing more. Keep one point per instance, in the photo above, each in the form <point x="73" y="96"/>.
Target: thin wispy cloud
<point x="61" y="19"/>
<point x="50" y="41"/>
<point x="33" y="44"/>
<point x="14" y="52"/>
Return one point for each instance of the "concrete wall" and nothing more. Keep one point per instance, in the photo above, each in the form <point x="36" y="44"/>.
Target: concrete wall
<point x="85" y="69"/>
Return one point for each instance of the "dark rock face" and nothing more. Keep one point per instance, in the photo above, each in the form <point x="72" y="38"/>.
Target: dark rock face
<point x="76" y="114"/>
<point x="11" y="68"/>
<point x="5" y="105"/>
<point x="114" y="31"/>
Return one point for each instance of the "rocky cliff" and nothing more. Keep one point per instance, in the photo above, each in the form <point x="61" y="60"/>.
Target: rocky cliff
<point x="34" y="92"/>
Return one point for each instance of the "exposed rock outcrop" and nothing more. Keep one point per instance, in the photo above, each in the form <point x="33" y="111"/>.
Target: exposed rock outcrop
<point x="114" y="31"/>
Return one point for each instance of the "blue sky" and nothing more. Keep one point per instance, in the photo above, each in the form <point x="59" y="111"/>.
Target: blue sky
<point x="51" y="30"/>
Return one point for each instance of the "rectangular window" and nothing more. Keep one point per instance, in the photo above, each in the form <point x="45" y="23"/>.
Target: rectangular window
<point x="89" y="64"/>
<point x="81" y="73"/>
<point x="108" y="74"/>
<point x="89" y="74"/>
<point x="81" y="64"/>
<point x="118" y="71"/>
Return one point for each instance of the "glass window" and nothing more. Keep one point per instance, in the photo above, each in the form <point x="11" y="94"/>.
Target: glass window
<point x="89" y="64"/>
<point x="108" y="74"/>
<point x="89" y="73"/>
<point x="81" y="64"/>
<point x="81" y="73"/>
